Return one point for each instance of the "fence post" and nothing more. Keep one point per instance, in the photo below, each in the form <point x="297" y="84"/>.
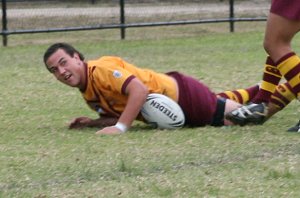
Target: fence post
<point x="122" y="18"/>
<point x="4" y="23"/>
<point x="231" y="15"/>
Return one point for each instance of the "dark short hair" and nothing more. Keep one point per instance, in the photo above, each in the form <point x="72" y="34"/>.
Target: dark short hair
<point x="69" y="49"/>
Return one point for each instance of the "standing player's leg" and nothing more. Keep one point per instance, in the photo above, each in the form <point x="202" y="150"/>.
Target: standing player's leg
<point x="270" y="80"/>
<point x="282" y="25"/>
<point x="277" y="43"/>
<point x="282" y="96"/>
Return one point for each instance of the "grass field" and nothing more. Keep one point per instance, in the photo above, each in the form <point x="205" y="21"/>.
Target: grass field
<point x="41" y="158"/>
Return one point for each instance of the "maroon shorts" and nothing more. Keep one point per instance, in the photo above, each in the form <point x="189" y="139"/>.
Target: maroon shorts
<point x="289" y="9"/>
<point x="197" y="101"/>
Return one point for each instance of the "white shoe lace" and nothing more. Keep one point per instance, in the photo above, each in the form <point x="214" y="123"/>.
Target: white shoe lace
<point x="242" y="112"/>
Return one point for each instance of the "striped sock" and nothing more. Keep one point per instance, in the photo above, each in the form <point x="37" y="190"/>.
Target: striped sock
<point x="282" y="96"/>
<point x="241" y="96"/>
<point x="289" y="66"/>
<point x="271" y="78"/>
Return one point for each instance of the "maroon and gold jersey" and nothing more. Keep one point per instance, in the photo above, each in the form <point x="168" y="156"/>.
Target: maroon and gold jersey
<point x="108" y="77"/>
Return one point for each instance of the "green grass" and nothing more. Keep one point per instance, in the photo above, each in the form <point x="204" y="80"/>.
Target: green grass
<point x="40" y="157"/>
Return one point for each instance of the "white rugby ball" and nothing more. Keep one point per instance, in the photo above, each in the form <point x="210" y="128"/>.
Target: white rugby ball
<point x="162" y="112"/>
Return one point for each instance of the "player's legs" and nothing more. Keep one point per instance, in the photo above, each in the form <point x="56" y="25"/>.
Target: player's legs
<point x="227" y="105"/>
<point x="279" y="34"/>
<point x="230" y="105"/>
<point x="270" y="80"/>
<point x="256" y="113"/>
<point x="280" y="99"/>
<point x="241" y="96"/>
<point x="282" y="96"/>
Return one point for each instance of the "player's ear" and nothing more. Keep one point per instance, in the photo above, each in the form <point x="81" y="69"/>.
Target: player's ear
<point x="77" y="58"/>
<point x="76" y="55"/>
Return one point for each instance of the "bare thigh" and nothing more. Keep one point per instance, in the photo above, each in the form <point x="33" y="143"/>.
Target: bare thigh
<point x="278" y="36"/>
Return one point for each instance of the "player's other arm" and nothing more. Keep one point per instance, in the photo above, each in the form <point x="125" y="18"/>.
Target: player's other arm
<point x="82" y="122"/>
<point x="137" y="93"/>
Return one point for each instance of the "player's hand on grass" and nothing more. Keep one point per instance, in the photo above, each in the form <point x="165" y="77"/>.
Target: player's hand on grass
<point x="111" y="130"/>
<point x="80" y="122"/>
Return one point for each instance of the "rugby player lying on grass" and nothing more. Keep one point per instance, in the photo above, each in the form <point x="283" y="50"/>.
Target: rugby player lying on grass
<point x="116" y="90"/>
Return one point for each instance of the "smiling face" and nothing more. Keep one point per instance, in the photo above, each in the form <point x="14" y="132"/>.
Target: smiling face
<point x="67" y="69"/>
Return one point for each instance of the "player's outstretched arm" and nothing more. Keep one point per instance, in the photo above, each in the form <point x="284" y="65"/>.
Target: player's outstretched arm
<point x="137" y="93"/>
<point x="82" y="122"/>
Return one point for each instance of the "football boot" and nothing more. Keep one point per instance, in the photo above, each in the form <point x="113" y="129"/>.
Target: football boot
<point x="295" y="128"/>
<point x="249" y="114"/>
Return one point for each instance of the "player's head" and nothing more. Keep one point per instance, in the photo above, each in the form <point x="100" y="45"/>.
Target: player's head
<point x="66" y="64"/>
<point x="69" y="49"/>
